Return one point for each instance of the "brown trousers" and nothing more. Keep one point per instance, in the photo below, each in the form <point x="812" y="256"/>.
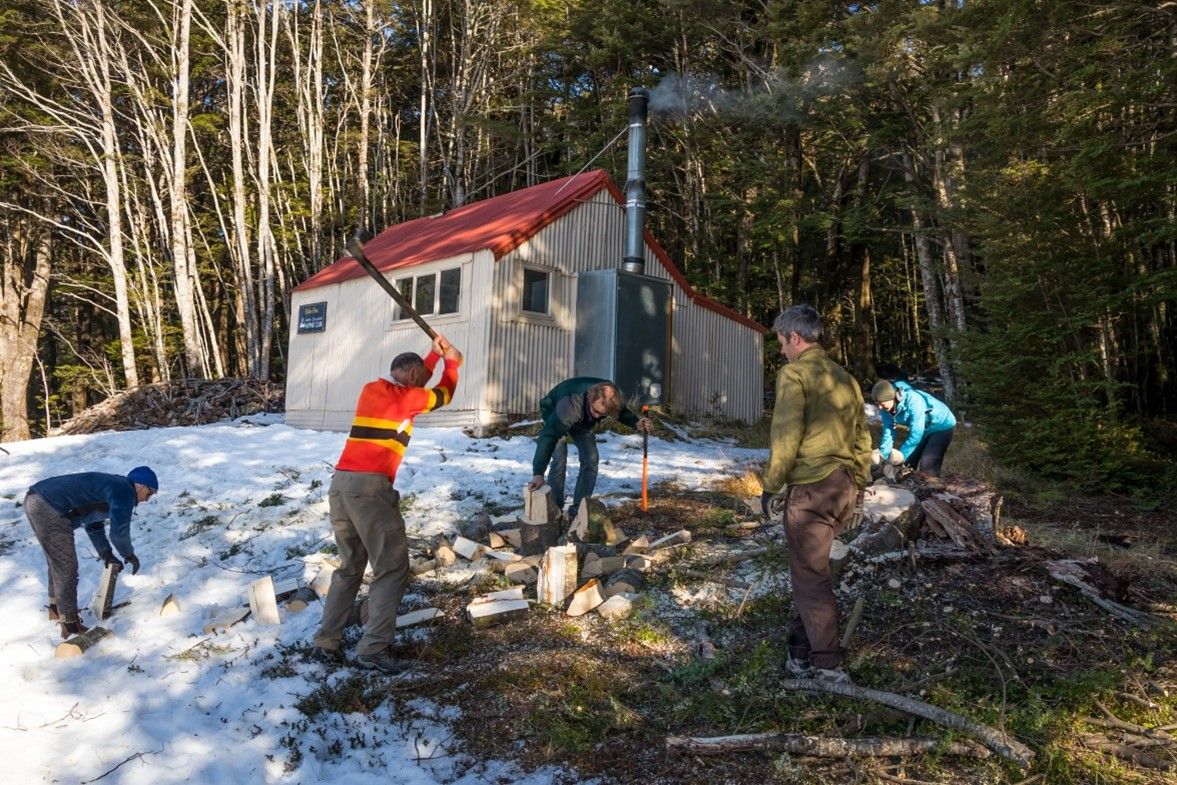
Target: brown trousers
<point x="366" y="519"/>
<point x="816" y="513"/>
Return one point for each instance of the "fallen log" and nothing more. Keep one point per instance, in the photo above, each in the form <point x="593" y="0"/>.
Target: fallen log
<point x="958" y="528"/>
<point x="1131" y="754"/>
<point x="1003" y="745"/>
<point x="1074" y="572"/>
<point x="80" y="644"/>
<point x="821" y="747"/>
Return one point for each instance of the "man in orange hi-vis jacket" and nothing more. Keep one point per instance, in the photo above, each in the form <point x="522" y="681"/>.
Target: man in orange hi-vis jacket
<point x="365" y="508"/>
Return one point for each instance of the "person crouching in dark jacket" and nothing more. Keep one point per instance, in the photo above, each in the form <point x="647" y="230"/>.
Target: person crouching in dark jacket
<point x="57" y="506"/>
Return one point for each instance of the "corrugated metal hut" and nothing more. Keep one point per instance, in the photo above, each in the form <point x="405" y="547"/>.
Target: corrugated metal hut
<point x="527" y="285"/>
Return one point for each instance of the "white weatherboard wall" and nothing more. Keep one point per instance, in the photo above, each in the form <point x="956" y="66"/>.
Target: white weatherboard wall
<point x="328" y="369"/>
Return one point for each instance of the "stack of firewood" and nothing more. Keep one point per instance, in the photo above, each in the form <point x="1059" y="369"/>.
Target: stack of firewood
<point x="189" y="402"/>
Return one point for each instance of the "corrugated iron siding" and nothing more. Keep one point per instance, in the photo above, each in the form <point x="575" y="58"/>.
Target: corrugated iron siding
<point x="716" y="365"/>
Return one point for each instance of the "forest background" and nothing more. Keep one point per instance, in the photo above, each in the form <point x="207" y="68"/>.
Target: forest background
<point x="982" y="191"/>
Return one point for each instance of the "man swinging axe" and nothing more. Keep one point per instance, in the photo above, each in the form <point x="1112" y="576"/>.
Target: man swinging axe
<point x="363" y="503"/>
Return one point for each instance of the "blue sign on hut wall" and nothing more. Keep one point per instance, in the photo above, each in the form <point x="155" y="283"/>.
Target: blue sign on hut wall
<point x="312" y="317"/>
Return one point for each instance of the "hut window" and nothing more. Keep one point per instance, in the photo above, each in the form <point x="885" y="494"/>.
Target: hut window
<point x="451" y="288"/>
<point x="535" y="290"/>
<point x="429" y="295"/>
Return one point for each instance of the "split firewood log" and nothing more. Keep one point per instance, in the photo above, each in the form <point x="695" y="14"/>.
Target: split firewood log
<point x="557" y="575"/>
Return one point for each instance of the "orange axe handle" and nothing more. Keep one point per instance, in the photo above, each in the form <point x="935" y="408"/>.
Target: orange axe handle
<point x="645" y="463"/>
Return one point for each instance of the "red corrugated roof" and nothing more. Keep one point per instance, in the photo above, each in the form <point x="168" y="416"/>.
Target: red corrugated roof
<point x="499" y="224"/>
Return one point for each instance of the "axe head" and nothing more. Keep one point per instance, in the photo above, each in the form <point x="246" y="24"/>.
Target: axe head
<point x="355" y="245"/>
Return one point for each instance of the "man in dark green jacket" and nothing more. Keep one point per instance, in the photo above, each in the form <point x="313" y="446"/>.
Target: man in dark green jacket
<point x="820" y="460"/>
<point x="573" y="408"/>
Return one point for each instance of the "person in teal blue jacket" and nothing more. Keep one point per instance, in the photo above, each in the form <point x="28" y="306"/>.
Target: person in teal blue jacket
<point x="929" y="423"/>
<point x="573" y="408"/>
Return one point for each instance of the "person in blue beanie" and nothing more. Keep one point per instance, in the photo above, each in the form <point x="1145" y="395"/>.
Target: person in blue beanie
<point x="929" y="423"/>
<point x="57" y="506"/>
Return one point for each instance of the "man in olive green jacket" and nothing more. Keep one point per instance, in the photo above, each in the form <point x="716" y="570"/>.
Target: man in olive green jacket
<point x="820" y="460"/>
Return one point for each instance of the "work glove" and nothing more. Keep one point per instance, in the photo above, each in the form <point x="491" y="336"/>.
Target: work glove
<point x="71" y="628"/>
<point x="109" y="559"/>
<point x="856" y="516"/>
<point x="133" y="560"/>
<point x="772" y="505"/>
<point x="875" y="458"/>
<point x="895" y="458"/>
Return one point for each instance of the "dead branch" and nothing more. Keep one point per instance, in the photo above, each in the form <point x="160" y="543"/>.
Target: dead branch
<point x="852" y="624"/>
<point x="820" y="746"/>
<point x="1124" y="752"/>
<point x="999" y="742"/>
<point x="1113" y="721"/>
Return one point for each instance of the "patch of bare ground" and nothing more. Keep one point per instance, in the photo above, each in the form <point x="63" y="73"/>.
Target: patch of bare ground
<point x="992" y="636"/>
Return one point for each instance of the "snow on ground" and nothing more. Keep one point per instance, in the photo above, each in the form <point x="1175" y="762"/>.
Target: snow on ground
<point x="162" y="703"/>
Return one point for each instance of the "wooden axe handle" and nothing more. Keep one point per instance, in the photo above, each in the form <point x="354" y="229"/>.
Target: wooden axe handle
<point x="355" y="247"/>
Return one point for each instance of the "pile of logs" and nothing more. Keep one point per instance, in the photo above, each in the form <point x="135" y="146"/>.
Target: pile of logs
<point x="189" y="402"/>
<point x="590" y="566"/>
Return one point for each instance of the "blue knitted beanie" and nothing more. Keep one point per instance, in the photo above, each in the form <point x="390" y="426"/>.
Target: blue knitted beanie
<point x="144" y="476"/>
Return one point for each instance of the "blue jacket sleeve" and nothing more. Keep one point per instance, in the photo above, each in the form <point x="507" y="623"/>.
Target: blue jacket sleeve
<point x="887" y="440"/>
<point x="917" y="419"/>
<point x="122" y="504"/>
<point x="96" y="531"/>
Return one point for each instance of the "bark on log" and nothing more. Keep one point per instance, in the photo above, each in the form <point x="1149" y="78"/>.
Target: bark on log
<point x="628" y="580"/>
<point x="958" y="528"/>
<point x="821" y="747"/>
<point x="80" y="644"/>
<point x="593" y="524"/>
<point x="1003" y="745"/>
<point x="557" y="575"/>
<point x="536" y="538"/>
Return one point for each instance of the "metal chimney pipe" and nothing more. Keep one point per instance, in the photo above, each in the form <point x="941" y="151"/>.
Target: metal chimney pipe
<point x="635" y="183"/>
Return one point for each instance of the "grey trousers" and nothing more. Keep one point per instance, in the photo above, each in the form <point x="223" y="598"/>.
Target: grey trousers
<point x="366" y="519"/>
<point x="55" y="532"/>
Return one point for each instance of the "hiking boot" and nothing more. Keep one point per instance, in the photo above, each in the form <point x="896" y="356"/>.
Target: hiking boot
<point x="72" y="628"/>
<point x="327" y="656"/>
<point x="382" y="661"/>
<point x="836" y="675"/>
<point x="799" y="669"/>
